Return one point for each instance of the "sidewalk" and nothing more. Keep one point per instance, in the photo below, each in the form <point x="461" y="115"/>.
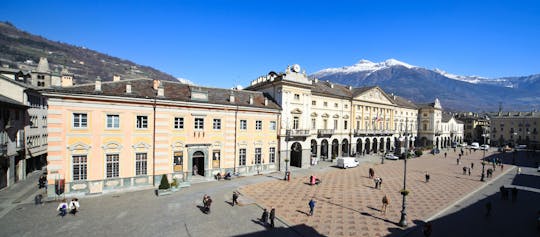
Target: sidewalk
<point x="23" y="191"/>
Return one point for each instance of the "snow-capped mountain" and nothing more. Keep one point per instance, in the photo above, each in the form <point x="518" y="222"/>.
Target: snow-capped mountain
<point x="473" y="93"/>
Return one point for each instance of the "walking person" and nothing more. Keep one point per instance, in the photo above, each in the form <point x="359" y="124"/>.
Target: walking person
<point x="74" y="206"/>
<point x="62" y="208"/>
<point x="42" y="181"/>
<point x="472" y="165"/>
<point x="427" y="177"/>
<point x="464" y="170"/>
<point x="445" y="155"/>
<point x="234" y="198"/>
<point x="376" y="181"/>
<point x="311" y="206"/>
<point x="469" y="171"/>
<point x="208" y="204"/>
<point x="371" y="173"/>
<point x="385" y="202"/>
<point x="272" y="216"/>
<point x="380" y="182"/>
<point x="264" y="217"/>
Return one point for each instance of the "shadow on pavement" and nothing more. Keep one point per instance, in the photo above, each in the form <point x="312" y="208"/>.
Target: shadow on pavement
<point x="507" y="218"/>
<point x="520" y="158"/>
<point x="527" y="180"/>
<point x="297" y="230"/>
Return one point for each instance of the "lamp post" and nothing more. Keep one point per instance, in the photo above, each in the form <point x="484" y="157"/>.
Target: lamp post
<point x="483" y="175"/>
<point x="403" y="219"/>
<point x="287" y="136"/>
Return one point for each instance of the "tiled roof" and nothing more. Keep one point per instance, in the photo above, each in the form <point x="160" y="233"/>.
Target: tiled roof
<point x="176" y="91"/>
<point x="530" y="114"/>
<point x="329" y="88"/>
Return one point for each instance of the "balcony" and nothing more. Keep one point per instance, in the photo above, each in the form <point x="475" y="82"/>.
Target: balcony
<point x="296" y="134"/>
<point x="325" y="132"/>
<point x="438" y="132"/>
<point x="367" y="132"/>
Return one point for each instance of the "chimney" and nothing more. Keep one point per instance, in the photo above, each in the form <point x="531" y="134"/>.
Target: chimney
<point x="251" y="99"/>
<point x="156" y="84"/>
<point x="128" y="88"/>
<point x="231" y="97"/>
<point x="116" y="77"/>
<point x="350" y="88"/>
<point x="160" y="91"/>
<point x="265" y="101"/>
<point x="98" y="84"/>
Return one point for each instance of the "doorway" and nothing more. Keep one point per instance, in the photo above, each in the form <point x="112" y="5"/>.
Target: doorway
<point x="198" y="163"/>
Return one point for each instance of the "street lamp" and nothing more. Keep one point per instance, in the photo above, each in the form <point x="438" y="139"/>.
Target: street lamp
<point x="403" y="219"/>
<point x="287" y="136"/>
<point x="483" y="175"/>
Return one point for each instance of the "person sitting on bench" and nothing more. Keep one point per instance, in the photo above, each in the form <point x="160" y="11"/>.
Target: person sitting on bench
<point x="228" y="176"/>
<point x="218" y="176"/>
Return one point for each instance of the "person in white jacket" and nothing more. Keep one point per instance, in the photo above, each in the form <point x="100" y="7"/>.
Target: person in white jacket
<point x="74" y="206"/>
<point x="62" y="207"/>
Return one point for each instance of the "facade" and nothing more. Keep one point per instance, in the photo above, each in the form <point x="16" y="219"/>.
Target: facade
<point x="515" y="128"/>
<point x="323" y="120"/>
<point x="436" y="128"/>
<point x="476" y="127"/>
<point x="12" y="156"/>
<point x="34" y="123"/>
<point x="126" y="134"/>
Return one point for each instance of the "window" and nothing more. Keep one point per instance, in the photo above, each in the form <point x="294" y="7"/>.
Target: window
<point x="199" y="123"/>
<point x="142" y="121"/>
<point x="80" y="120"/>
<point x="313" y="102"/>
<point x="242" y="157"/>
<point x="217" y="124"/>
<point x="295" y="122"/>
<point x="325" y="123"/>
<point x="178" y="158"/>
<point x="140" y="164"/>
<point x="258" y="125"/>
<point x="346" y="106"/>
<point x="178" y="123"/>
<point x="313" y="123"/>
<point x="358" y="125"/>
<point x="272" y="155"/>
<point x="113" y="121"/>
<point x="325" y="104"/>
<point x="79" y="167"/>
<point x="273" y="125"/>
<point x="113" y="165"/>
<point x="336" y="105"/>
<point x="243" y="124"/>
<point x="335" y="124"/>
<point x="297" y="96"/>
<point x="258" y="159"/>
<point x="345" y="124"/>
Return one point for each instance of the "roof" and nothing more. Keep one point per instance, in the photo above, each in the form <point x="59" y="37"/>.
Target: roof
<point x="11" y="102"/>
<point x="400" y="101"/>
<point x="332" y="89"/>
<point x="175" y="91"/>
<point x="530" y="114"/>
<point x="446" y="117"/>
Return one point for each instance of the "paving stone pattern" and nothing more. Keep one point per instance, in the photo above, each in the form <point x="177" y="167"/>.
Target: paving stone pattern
<point x="347" y="204"/>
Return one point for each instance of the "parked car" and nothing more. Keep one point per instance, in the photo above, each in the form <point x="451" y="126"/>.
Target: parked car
<point x="475" y="146"/>
<point x="391" y="157"/>
<point x="484" y="147"/>
<point x="347" y="162"/>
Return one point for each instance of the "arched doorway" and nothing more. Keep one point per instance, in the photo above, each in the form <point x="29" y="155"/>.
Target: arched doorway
<point x="388" y="144"/>
<point x="381" y="144"/>
<point x="296" y="154"/>
<point x="437" y="142"/>
<point x="359" y="148"/>
<point x="345" y="148"/>
<point x="375" y="145"/>
<point x="313" y="148"/>
<point x="368" y="146"/>
<point x="335" y="146"/>
<point x="324" y="149"/>
<point x="198" y="162"/>
<point x="423" y="141"/>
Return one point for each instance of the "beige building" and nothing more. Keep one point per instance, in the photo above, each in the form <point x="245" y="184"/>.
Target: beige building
<point x="324" y="120"/>
<point x="515" y="128"/>
<point x="125" y="134"/>
<point x="477" y="127"/>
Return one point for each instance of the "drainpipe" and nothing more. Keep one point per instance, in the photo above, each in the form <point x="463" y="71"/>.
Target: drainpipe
<point x="235" y="138"/>
<point x="154" y="144"/>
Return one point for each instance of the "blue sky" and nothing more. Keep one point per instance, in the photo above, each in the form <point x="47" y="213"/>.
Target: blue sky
<point x="226" y="43"/>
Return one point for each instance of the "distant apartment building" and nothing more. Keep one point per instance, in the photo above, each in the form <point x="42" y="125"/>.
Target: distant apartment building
<point x="31" y="126"/>
<point x="477" y="127"/>
<point x="323" y="120"/>
<point x="126" y="134"/>
<point x="515" y="128"/>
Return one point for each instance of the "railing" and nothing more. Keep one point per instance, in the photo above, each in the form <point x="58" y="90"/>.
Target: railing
<point x="298" y="132"/>
<point x="325" y="132"/>
<point x="359" y="132"/>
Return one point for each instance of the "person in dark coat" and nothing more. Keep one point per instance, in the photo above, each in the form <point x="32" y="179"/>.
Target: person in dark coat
<point x="272" y="216"/>
<point x="264" y="217"/>
<point x="234" y="198"/>
<point x="427" y="177"/>
<point x="311" y="206"/>
<point x="371" y="173"/>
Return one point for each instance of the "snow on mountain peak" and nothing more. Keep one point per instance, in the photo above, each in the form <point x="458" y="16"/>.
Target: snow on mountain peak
<point x="364" y="65"/>
<point x="393" y="62"/>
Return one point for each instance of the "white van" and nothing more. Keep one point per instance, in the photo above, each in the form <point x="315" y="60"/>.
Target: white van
<point x="475" y="145"/>
<point x="347" y="162"/>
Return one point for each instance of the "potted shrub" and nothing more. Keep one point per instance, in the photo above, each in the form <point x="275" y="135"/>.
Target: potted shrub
<point x="174" y="185"/>
<point x="418" y="153"/>
<point x="404" y="192"/>
<point x="164" y="186"/>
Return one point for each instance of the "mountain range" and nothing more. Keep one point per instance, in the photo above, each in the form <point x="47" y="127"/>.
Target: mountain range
<point x="22" y="50"/>
<point x="456" y="93"/>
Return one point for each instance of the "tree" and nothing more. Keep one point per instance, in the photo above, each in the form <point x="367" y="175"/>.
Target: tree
<point x="164" y="182"/>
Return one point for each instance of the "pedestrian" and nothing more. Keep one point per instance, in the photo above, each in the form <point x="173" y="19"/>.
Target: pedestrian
<point x="427" y="177"/>
<point x="376" y="180"/>
<point x="264" y="217"/>
<point x="427" y="229"/>
<point x="445" y="155"/>
<point x="311" y="206"/>
<point x="272" y="216"/>
<point x="514" y="194"/>
<point x="205" y="203"/>
<point x="234" y="198"/>
<point x="38" y="199"/>
<point x="62" y="208"/>
<point x="488" y="208"/>
<point x="464" y="170"/>
<point x="472" y="165"/>
<point x="385" y="202"/>
<point x="502" y="167"/>
<point x="380" y="182"/>
<point x="457" y="160"/>
<point x="42" y="181"/>
<point x="469" y="172"/>
<point x="519" y="170"/>
<point x="195" y="170"/>
<point x="208" y="204"/>
<point x="371" y="173"/>
<point x="74" y="206"/>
